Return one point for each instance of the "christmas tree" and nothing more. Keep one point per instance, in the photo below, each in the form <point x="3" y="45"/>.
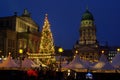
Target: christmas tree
<point x="47" y="42"/>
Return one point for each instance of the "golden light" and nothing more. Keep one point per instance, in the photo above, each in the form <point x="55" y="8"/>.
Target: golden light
<point x="76" y="51"/>
<point x="74" y="56"/>
<point x="118" y="49"/>
<point x="69" y="70"/>
<point x="9" y="53"/>
<point x="102" y="51"/>
<point x="20" y="51"/>
<point x="60" y="50"/>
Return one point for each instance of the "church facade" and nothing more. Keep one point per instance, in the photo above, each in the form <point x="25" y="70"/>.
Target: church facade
<point x="87" y="47"/>
<point x="18" y="32"/>
<point x="21" y="32"/>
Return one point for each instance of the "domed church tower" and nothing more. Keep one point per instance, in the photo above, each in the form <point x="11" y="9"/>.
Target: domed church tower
<point x="87" y="45"/>
<point x="87" y="30"/>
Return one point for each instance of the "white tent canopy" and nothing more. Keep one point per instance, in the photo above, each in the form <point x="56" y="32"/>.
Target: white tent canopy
<point x="9" y="62"/>
<point x="64" y="63"/>
<point x="103" y="64"/>
<point x="76" y="63"/>
<point x="87" y="64"/>
<point x="103" y="58"/>
<point x="28" y="63"/>
<point x="108" y="66"/>
<point x="116" y="60"/>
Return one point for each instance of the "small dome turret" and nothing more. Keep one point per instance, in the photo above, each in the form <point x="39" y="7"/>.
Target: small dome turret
<point x="87" y="16"/>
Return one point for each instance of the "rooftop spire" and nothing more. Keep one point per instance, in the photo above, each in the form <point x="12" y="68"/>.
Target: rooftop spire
<point x="87" y="7"/>
<point x="15" y="13"/>
<point x="26" y="13"/>
<point x="46" y="16"/>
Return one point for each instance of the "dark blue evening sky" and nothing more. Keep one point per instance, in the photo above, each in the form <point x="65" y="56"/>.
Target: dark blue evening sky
<point x="65" y="16"/>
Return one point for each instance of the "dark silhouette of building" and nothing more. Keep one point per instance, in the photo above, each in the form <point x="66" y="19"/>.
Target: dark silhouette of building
<point x="18" y="32"/>
<point x="87" y="46"/>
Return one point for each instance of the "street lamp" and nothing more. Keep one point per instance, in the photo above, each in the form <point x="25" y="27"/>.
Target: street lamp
<point x="20" y="52"/>
<point x="76" y="51"/>
<point x="102" y="51"/>
<point x="118" y="50"/>
<point x="60" y="50"/>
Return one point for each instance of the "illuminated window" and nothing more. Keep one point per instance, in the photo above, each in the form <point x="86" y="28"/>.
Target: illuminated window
<point x="111" y="57"/>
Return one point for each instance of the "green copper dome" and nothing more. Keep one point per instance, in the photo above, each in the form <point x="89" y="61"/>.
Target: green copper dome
<point x="87" y="16"/>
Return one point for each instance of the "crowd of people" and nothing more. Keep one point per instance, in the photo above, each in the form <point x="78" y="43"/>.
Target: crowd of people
<point x="52" y="74"/>
<point x="37" y="74"/>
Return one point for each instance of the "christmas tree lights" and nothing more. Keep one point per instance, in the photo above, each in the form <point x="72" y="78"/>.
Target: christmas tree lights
<point x="47" y="42"/>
